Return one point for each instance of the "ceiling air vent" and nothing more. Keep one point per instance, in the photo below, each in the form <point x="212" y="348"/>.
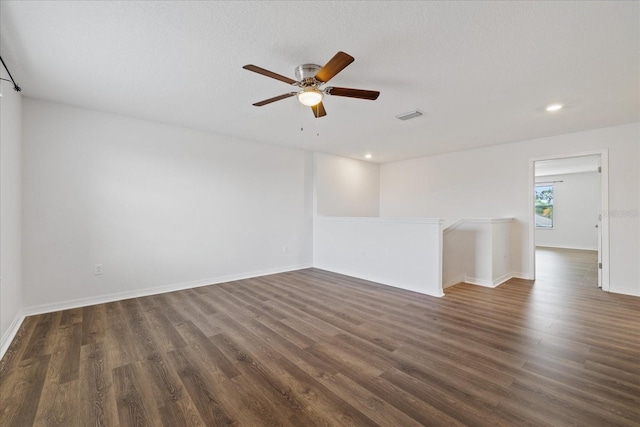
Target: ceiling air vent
<point x="410" y="115"/>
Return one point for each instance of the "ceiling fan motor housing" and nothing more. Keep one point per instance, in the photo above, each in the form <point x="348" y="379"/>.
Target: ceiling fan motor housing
<point x="305" y="73"/>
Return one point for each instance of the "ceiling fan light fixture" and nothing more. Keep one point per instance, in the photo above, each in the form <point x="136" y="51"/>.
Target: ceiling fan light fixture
<point x="310" y="79"/>
<point x="310" y="96"/>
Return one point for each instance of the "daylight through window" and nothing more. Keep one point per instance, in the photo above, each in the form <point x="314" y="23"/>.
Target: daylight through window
<point x="544" y="206"/>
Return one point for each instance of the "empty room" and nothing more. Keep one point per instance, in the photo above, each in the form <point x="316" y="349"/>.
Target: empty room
<point x="319" y="213"/>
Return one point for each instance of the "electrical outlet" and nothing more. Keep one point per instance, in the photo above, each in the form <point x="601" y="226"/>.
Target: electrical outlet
<point x="285" y="249"/>
<point x="97" y="269"/>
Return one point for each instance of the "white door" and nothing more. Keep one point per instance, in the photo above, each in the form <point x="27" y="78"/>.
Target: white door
<point x="599" y="228"/>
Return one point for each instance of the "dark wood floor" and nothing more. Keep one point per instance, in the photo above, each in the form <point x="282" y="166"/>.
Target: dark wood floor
<point x="312" y="348"/>
<point x="567" y="267"/>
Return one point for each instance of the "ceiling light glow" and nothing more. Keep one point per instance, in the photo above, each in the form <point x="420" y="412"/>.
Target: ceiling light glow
<point x="554" y="107"/>
<point x="368" y="156"/>
<point x="310" y="96"/>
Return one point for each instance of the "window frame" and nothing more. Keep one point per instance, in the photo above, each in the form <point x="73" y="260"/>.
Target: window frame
<point x="551" y="205"/>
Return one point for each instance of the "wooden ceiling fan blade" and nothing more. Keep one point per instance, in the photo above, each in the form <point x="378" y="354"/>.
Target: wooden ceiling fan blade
<point x="274" y="99"/>
<point x="353" y="93"/>
<point x="336" y="64"/>
<point x="268" y="73"/>
<point x="318" y="110"/>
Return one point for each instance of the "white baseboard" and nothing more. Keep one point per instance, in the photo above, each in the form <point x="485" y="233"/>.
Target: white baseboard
<point x="10" y="334"/>
<point x="500" y="280"/>
<point x="523" y="276"/>
<point x="479" y="282"/>
<point x="101" y="299"/>
<point x="489" y="283"/>
<point x="567" y="247"/>
<point x="455" y="281"/>
<point x="377" y="280"/>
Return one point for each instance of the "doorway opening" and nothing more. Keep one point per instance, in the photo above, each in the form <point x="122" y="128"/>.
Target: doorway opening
<point x="569" y="228"/>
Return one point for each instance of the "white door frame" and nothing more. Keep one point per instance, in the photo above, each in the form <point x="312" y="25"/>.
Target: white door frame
<point x="604" y="182"/>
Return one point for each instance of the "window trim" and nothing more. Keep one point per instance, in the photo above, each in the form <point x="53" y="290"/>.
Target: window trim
<point x="552" y="205"/>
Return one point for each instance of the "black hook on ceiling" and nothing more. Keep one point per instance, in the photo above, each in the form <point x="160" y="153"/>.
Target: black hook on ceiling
<point x="15" y="85"/>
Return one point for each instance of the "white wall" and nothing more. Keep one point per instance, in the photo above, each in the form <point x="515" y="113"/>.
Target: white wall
<point x="404" y="253"/>
<point x="477" y="251"/>
<point x="576" y="206"/>
<point x="10" y="211"/>
<point x="494" y="182"/>
<point x="501" y="251"/>
<point x="156" y="205"/>
<point x="346" y="187"/>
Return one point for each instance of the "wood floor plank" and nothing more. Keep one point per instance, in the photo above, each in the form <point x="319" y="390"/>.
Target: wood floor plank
<point x="317" y="400"/>
<point x="244" y="403"/>
<point x="18" y="346"/>
<point x="70" y="368"/>
<point x="41" y="341"/>
<point x="557" y="411"/>
<point x="97" y="392"/>
<point x="166" y="385"/>
<point x="494" y="378"/>
<point x="454" y="403"/>
<point x="135" y="406"/>
<point x="122" y="349"/>
<point x="608" y="411"/>
<point x="282" y="329"/>
<point x="209" y="351"/>
<point x="20" y="394"/>
<point x="271" y="387"/>
<point x="161" y="327"/>
<point x="311" y="365"/>
<point x="55" y="407"/>
<point x="408" y="403"/>
<point x="58" y="405"/>
<point x="314" y="348"/>
<point x="201" y="389"/>
<point x="600" y="385"/>
<point x="179" y="309"/>
<point x="73" y="315"/>
<point x="374" y="407"/>
<point x="181" y="413"/>
<point x="94" y="319"/>
<point x="305" y="323"/>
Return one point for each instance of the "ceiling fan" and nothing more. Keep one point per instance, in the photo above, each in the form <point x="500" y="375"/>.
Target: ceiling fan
<point x="310" y="79"/>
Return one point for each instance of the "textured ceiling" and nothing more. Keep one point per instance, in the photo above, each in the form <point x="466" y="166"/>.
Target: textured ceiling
<point x="482" y="72"/>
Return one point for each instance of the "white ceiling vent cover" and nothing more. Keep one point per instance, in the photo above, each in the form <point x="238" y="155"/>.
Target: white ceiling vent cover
<point x="410" y="115"/>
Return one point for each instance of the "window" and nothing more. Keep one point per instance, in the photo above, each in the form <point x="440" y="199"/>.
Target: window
<point x="544" y="206"/>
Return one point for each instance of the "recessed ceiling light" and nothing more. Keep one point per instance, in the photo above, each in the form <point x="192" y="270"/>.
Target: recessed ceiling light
<point x="368" y="156"/>
<point x="554" y="107"/>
